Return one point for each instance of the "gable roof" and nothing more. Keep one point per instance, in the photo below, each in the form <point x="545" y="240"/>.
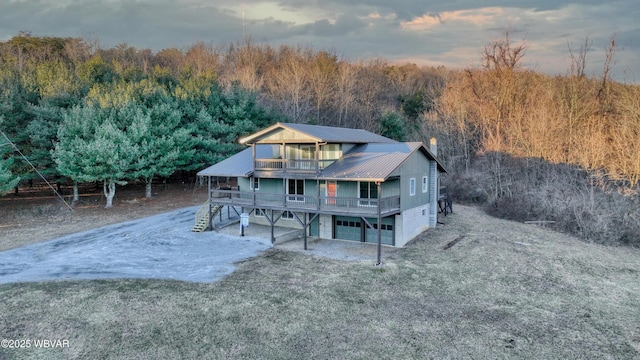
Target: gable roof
<point x="320" y="133"/>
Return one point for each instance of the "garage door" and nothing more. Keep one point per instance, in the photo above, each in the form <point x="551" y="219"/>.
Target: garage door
<point x="354" y="228"/>
<point x="348" y="228"/>
<point x="387" y="231"/>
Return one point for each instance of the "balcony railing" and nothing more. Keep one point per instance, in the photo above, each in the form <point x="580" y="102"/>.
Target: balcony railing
<point x="306" y="203"/>
<point x="291" y="164"/>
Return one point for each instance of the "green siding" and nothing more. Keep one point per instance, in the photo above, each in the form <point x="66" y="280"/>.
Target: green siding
<point x="391" y="188"/>
<point x="416" y="167"/>
<point x="243" y="184"/>
<point x="271" y="186"/>
<point x="311" y="188"/>
<point x="286" y="135"/>
<point x="348" y="189"/>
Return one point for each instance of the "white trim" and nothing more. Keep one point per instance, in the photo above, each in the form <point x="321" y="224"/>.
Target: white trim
<point x="425" y="184"/>
<point x="412" y="186"/>
<point x="256" y="179"/>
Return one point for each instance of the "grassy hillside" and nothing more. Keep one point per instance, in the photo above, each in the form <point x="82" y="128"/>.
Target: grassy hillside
<point x="476" y="287"/>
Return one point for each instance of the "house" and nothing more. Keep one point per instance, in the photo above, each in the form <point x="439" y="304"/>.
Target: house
<point x="334" y="183"/>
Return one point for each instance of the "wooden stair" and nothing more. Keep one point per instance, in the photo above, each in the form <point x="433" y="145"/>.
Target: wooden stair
<point x="203" y="218"/>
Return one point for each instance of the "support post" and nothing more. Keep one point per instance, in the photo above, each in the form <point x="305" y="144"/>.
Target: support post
<point x="317" y="158"/>
<point x="305" y="225"/>
<point x="379" y="260"/>
<point x="318" y="185"/>
<point x="253" y="156"/>
<point x="273" y="237"/>
<point x="272" y="221"/>
<point x="210" y="226"/>
<point x="304" y="231"/>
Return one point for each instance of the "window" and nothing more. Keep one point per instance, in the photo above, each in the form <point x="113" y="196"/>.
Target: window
<point x="256" y="183"/>
<point x="425" y="184"/>
<point x="301" y="156"/>
<point x="259" y="212"/>
<point x="328" y="154"/>
<point x="287" y="215"/>
<point x="295" y="187"/>
<point x="412" y="186"/>
<point x="368" y="190"/>
<point x="307" y="157"/>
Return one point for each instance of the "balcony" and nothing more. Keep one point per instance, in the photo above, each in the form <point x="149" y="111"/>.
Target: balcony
<point x="297" y="165"/>
<point x="306" y="203"/>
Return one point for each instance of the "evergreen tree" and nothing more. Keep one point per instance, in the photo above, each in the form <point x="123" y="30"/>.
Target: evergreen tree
<point x="162" y="146"/>
<point x="392" y="126"/>
<point x="8" y="181"/>
<point x="92" y="147"/>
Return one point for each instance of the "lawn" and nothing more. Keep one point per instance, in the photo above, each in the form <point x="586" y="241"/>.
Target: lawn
<point x="476" y="287"/>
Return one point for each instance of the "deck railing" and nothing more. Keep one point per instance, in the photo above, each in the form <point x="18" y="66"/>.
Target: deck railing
<point x="307" y="203"/>
<point x="291" y="164"/>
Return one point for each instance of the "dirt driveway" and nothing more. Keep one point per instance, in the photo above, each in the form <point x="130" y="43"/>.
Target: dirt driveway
<point x="160" y="246"/>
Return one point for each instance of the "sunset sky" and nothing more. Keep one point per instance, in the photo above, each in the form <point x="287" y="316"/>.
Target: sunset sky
<point x="427" y="32"/>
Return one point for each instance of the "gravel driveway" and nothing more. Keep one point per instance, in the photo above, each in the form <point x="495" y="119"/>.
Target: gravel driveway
<point x="160" y="247"/>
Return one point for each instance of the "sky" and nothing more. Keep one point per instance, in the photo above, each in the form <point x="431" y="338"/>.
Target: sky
<point x="425" y="32"/>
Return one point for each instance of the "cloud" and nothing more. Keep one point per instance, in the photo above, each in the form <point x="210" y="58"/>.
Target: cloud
<point x="444" y="32"/>
<point x="476" y="17"/>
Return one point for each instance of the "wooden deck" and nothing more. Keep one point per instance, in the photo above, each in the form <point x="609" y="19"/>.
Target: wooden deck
<point x="306" y="203"/>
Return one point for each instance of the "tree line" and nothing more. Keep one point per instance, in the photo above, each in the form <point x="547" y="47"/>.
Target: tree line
<point x="67" y="103"/>
<point x="83" y="113"/>
<point x="563" y="149"/>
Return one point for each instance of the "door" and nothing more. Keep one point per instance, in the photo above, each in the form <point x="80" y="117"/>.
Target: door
<point x="332" y="192"/>
<point x="314" y="227"/>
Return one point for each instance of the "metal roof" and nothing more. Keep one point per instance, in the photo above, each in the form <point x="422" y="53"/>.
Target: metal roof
<point x="370" y="162"/>
<point x="366" y="162"/>
<point x="240" y="164"/>
<point x="323" y="134"/>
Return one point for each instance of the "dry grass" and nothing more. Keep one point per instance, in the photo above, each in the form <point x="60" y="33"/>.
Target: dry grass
<point x="27" y="219"/>
<point x="502" y="290"/>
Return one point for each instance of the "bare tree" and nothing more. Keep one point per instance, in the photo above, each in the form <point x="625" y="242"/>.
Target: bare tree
<point x="288" y="84"/>
<point x="323" y="71"/>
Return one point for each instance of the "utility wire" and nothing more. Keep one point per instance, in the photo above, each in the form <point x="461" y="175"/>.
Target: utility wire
<point x="9" y="142"/>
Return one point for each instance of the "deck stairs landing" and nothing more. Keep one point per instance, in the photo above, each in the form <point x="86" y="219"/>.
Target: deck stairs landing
<point x="202" y="217"/>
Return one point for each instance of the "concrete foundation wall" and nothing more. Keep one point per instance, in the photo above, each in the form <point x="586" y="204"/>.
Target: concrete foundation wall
<point x="410" y="223"/>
